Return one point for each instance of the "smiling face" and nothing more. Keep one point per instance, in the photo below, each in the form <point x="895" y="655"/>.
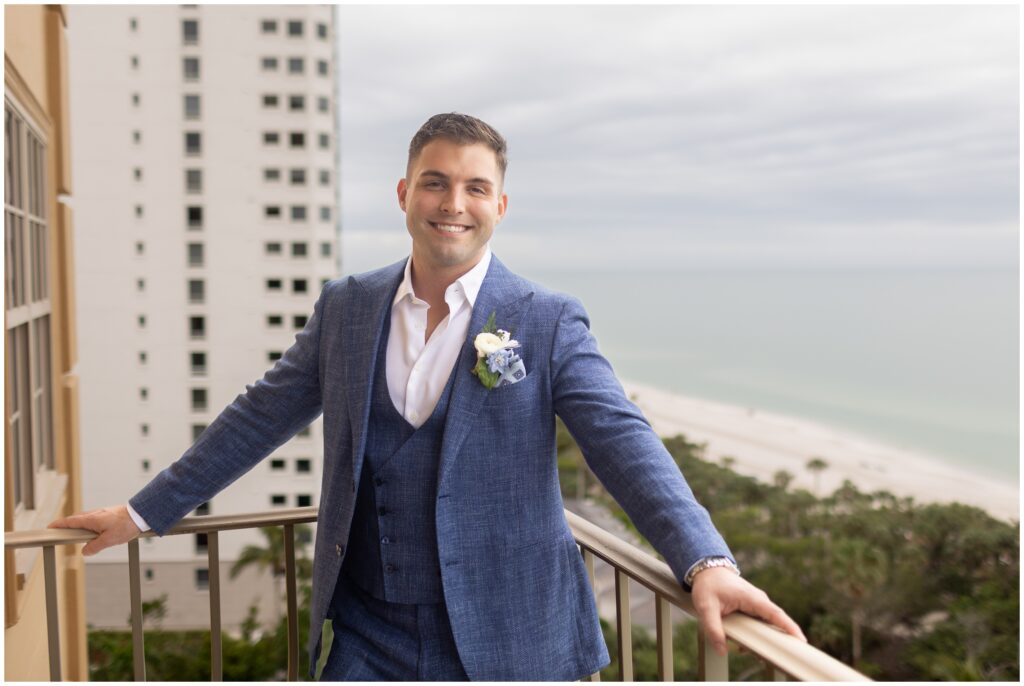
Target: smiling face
<point x="452" y="201"/>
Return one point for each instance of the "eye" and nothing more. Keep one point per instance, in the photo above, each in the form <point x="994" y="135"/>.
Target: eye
<point x="478" y="190"/>
<point x="432" y="184"/>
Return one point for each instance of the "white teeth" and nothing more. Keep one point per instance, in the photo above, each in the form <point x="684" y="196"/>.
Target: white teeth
<point x="450" y="228"/>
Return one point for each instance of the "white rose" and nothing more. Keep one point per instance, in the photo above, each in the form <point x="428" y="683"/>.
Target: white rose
<point x="487" y="343"/>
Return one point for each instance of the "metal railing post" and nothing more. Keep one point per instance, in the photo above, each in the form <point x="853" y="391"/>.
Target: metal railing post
<point x="135" y="591"/>
<point x="663" y="620"/>
<point x="710" y="665"/>
<point x="52" y="620"/>
<point x="216" y="650"/>
<point x="624" y="625"/>
<point x="293" y="612"/>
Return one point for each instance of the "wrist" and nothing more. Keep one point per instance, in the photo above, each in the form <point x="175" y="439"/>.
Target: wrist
<point x="706" y="563"/>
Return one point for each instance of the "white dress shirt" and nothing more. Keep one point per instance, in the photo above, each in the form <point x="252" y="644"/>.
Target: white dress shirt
<point x="418" y="369"/>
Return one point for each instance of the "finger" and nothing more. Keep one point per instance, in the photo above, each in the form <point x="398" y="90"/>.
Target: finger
<point x="104" y="540"/>
<point x="775" y="615"/>
<point x="711" y="620"/>
<point x="82" y="520"/>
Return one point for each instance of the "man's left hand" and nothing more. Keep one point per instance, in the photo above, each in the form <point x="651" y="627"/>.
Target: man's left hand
<point x="718" y="592"/>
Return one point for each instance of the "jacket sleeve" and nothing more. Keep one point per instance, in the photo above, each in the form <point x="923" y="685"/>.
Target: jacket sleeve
<point x="624" y="451"/>
<point x="267" y="414"/>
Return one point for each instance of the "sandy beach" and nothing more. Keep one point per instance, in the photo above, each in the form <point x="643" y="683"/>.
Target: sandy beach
<point x="763" y="443"/>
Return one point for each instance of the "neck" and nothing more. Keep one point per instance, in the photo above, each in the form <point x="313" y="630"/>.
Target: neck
<point x="430" y="281"/>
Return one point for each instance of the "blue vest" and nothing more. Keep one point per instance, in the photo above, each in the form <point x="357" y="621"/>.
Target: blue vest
<point x="392" y="549"/>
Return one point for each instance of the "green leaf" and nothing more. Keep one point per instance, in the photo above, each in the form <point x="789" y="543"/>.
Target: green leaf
<point x="490" y="326"/>
<point x="488" y="378"/>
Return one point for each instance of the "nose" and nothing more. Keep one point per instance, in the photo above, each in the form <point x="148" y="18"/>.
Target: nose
<point x="452" y="203"/>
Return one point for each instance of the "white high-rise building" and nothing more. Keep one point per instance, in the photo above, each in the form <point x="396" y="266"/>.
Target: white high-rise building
<point x="206" y="196"/>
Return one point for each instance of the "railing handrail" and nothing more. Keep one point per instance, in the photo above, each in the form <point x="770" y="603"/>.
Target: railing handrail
<point x="784" y="652"/>
<point x="787" y="653"/>
<point x="188" y="525"/>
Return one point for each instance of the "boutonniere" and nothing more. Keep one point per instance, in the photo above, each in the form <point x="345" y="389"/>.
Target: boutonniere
<point x="497" y="363"/>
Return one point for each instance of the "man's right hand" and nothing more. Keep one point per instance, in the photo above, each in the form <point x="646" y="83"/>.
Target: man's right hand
<point x="113" y="524"/>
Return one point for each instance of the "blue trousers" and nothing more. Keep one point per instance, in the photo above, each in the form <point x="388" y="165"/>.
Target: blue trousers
<point x="375" y="640"/>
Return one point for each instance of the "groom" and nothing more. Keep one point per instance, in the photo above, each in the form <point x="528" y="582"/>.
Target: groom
<point x="442" y="550"/>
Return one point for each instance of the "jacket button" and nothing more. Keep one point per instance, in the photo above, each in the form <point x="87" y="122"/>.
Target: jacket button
<point x="382" y="510"/>
<point x="389" y="568"/>
<point x="385" y="540"/>
<point x="339" y="549"/>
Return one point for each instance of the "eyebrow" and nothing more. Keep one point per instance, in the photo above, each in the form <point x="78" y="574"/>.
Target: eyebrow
<point x="442" y="175"/>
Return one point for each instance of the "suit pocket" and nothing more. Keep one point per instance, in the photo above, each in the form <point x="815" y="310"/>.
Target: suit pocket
<point x="524" y="391"/>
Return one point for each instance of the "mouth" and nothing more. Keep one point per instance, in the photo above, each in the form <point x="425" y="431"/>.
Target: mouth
<point x="449" y="228"/>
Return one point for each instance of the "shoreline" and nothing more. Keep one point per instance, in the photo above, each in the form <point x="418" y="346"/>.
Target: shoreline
<point x="763" y="442"/>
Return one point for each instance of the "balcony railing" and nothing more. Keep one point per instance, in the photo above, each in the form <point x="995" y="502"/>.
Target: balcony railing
<point x="784" y="657"/>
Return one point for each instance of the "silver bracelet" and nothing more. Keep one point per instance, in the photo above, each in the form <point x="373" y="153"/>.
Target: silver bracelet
<point x="708" y="563"/>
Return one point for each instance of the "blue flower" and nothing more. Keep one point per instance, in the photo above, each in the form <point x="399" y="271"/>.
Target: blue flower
<point x="499" y="360"/>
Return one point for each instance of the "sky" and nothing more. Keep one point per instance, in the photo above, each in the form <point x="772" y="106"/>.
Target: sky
<point x="694" y="137"/>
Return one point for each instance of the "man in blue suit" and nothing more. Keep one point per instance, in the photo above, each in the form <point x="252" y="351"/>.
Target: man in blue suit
<point x="442" y="550"/>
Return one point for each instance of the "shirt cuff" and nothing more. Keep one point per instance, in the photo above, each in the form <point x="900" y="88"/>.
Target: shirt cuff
<point x="137" y="518"/>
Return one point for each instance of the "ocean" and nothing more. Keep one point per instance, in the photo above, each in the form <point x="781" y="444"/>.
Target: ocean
<point x="923" y="360"/>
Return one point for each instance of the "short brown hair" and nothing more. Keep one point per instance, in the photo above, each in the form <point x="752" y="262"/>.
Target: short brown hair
<point x="461" y="129"/>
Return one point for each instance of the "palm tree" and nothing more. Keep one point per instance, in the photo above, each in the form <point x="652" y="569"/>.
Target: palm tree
<point x="816" y="466"/>
<point x="272" y="558"/>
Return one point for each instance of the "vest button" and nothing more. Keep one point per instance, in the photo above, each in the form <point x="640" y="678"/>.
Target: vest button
<point x="381" y="510"/>
<point x="340" y="549"/>
<point x="389" y="568"/>
<point x="385" y="540"/>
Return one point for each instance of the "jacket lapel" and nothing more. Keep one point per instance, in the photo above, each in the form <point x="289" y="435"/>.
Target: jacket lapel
<point x="502" y="293"/>
<point x="367" y="308"/>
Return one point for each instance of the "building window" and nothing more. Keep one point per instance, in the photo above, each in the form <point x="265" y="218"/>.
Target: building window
<point x="202" y="544"/>
<point x="140" y="248"/>
<point x="140" y="285"/>
<point x="299" y="286"/>
<point x="272" y="248"/>
<point x="195" y="254"/>
<point x="268" y="26"/>
<point x="297" y="177"/>
<point x="296" y="65"/>
<point x="136" y="99"/>
<point x="197" y="326"/>
<point x="144" y="429"/>
<point x="305" y="432"/>
<point x="145" y="465"/>
<point x="275" y="321"/>
<point x="271" y="174"/>
<point x="325" y="141"/>
<point x="143" y="393"/>
<point x="298" y="249"/>
<point x="192" y="107"/>
<point x="296" y="103"/>
<point x="194" y="216"/>
<point x="272" y="212"/>
<point x="299" y="321"/>
<point x="142" y="321"/>
<point x="190" y="31"/>
<point x="149" y="573"/>
<point x="295" y="28"/>
<point x="198" y="399"/>
<point x="277" y="465"/>
<point x="142" y="357"/>
<point x="136" y="137"/>
<point x="325" y="214"/>
<point x="297" y="139"/>
<point x="303" y="500"/>
<point x="138" y="211"/>
<point x="298" y="213"/>
<point x="323" y="283"/>
<point x="304" y="465"/>
<point x="325" y="177"/>
<point x="321" y="30"/>
<point x="277" y="500"/>
<point x="269" y="101"/>
<point x="274" y="355"/>
<point x="196" y="291"/>
<point x="190" y="66"/>
<point x="197" y="363"/>
<point x="197" y="431"/>
<point x="133" y="24"/>
<point x="268" y="64"/>
<point x="135" y="61"/>
<point x="137" y="173"/>
<point x="203" y="510"/>
<point x="193" y="180"/>
<point x="202" y="579"/>
<point x="271" y="138"/>
<point x="321" y="67"/>
<point x="274" y="285"/>
<point x="325" y="249"/>
<point x="323" y="104"/>
<point x="193" y="143"/>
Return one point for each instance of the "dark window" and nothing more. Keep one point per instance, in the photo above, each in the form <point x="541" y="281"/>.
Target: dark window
<point x="305" y="432"/>
<point x="278" y="499"/>
<point x="196" y="291"/>
<point x="135" y="62"/>
<point x="325" y="249"/>
<point x="193" y="143"/>
<point x="198" y="399"/>
<point x="275" y="320"/>
<point x="145" y="465"/>
<point x="189" y="31"/>
<point x="190" y="65"/>
<point x="274" y="284"/>
<point x="321" y="30"/>
<point x="297" y="139"/>
<point x="268" y="26"/>
<point x="136" y="136"/>
<point x="136" y="99"/>
<point x="294" y="28"/>
<point x="274" y="355"/>
<point x="298" y="249"/>
<point x="325" y="214"/>
<point x="303" y="500"/>
<point x="296" y="65"/>
<point x="143" y="357"/>
<point x="297" y="177"/>
<point x="269" y="64"/>
<point x="138" y="211"/>
<point x="325" y="177"/>
<point x="271" y="138"/>
<point x="269" y="101"/>
<point x="133" y="24"/>
<point x="195" y="254"/>
<point x="194" y="180"/>
<point x="203" y="510"/>
<point x="197" y="327"/>
<point x="296" y="103"/>
<point x="272" y="248"/>
<point x="299" y="285"/>
<point x="277" y="465"/>
<point x="271" y="174"/>
<point x="271" y="211"/>
<point x="321" y="67"/>
<point x="299" y="321"/>
<point x="303" y="465"/>
<point x="323" y="104"/>
<point x="149" y="572"/>
<point x="298" y="213"/>
<point x="144" y="429"/>
<point x="202" y="579"/>
<point x="325" y="141"/>
<point x="191" y="107"/>
<point x="194" y="216"/>
<point x="143" y="394"/>
<point x="197" y="431"/>
<point x="197" y="361"/>
<point x="202" y="544"/>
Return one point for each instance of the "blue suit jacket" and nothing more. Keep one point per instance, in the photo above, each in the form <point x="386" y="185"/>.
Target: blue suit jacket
<point x="514" y="583"/>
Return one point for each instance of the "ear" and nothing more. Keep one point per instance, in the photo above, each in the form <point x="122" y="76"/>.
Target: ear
<point x="403" y="189"/>
<point x="502" y="206"/>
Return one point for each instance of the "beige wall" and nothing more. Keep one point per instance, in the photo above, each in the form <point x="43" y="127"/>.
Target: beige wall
<point x="35" y="76"/>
